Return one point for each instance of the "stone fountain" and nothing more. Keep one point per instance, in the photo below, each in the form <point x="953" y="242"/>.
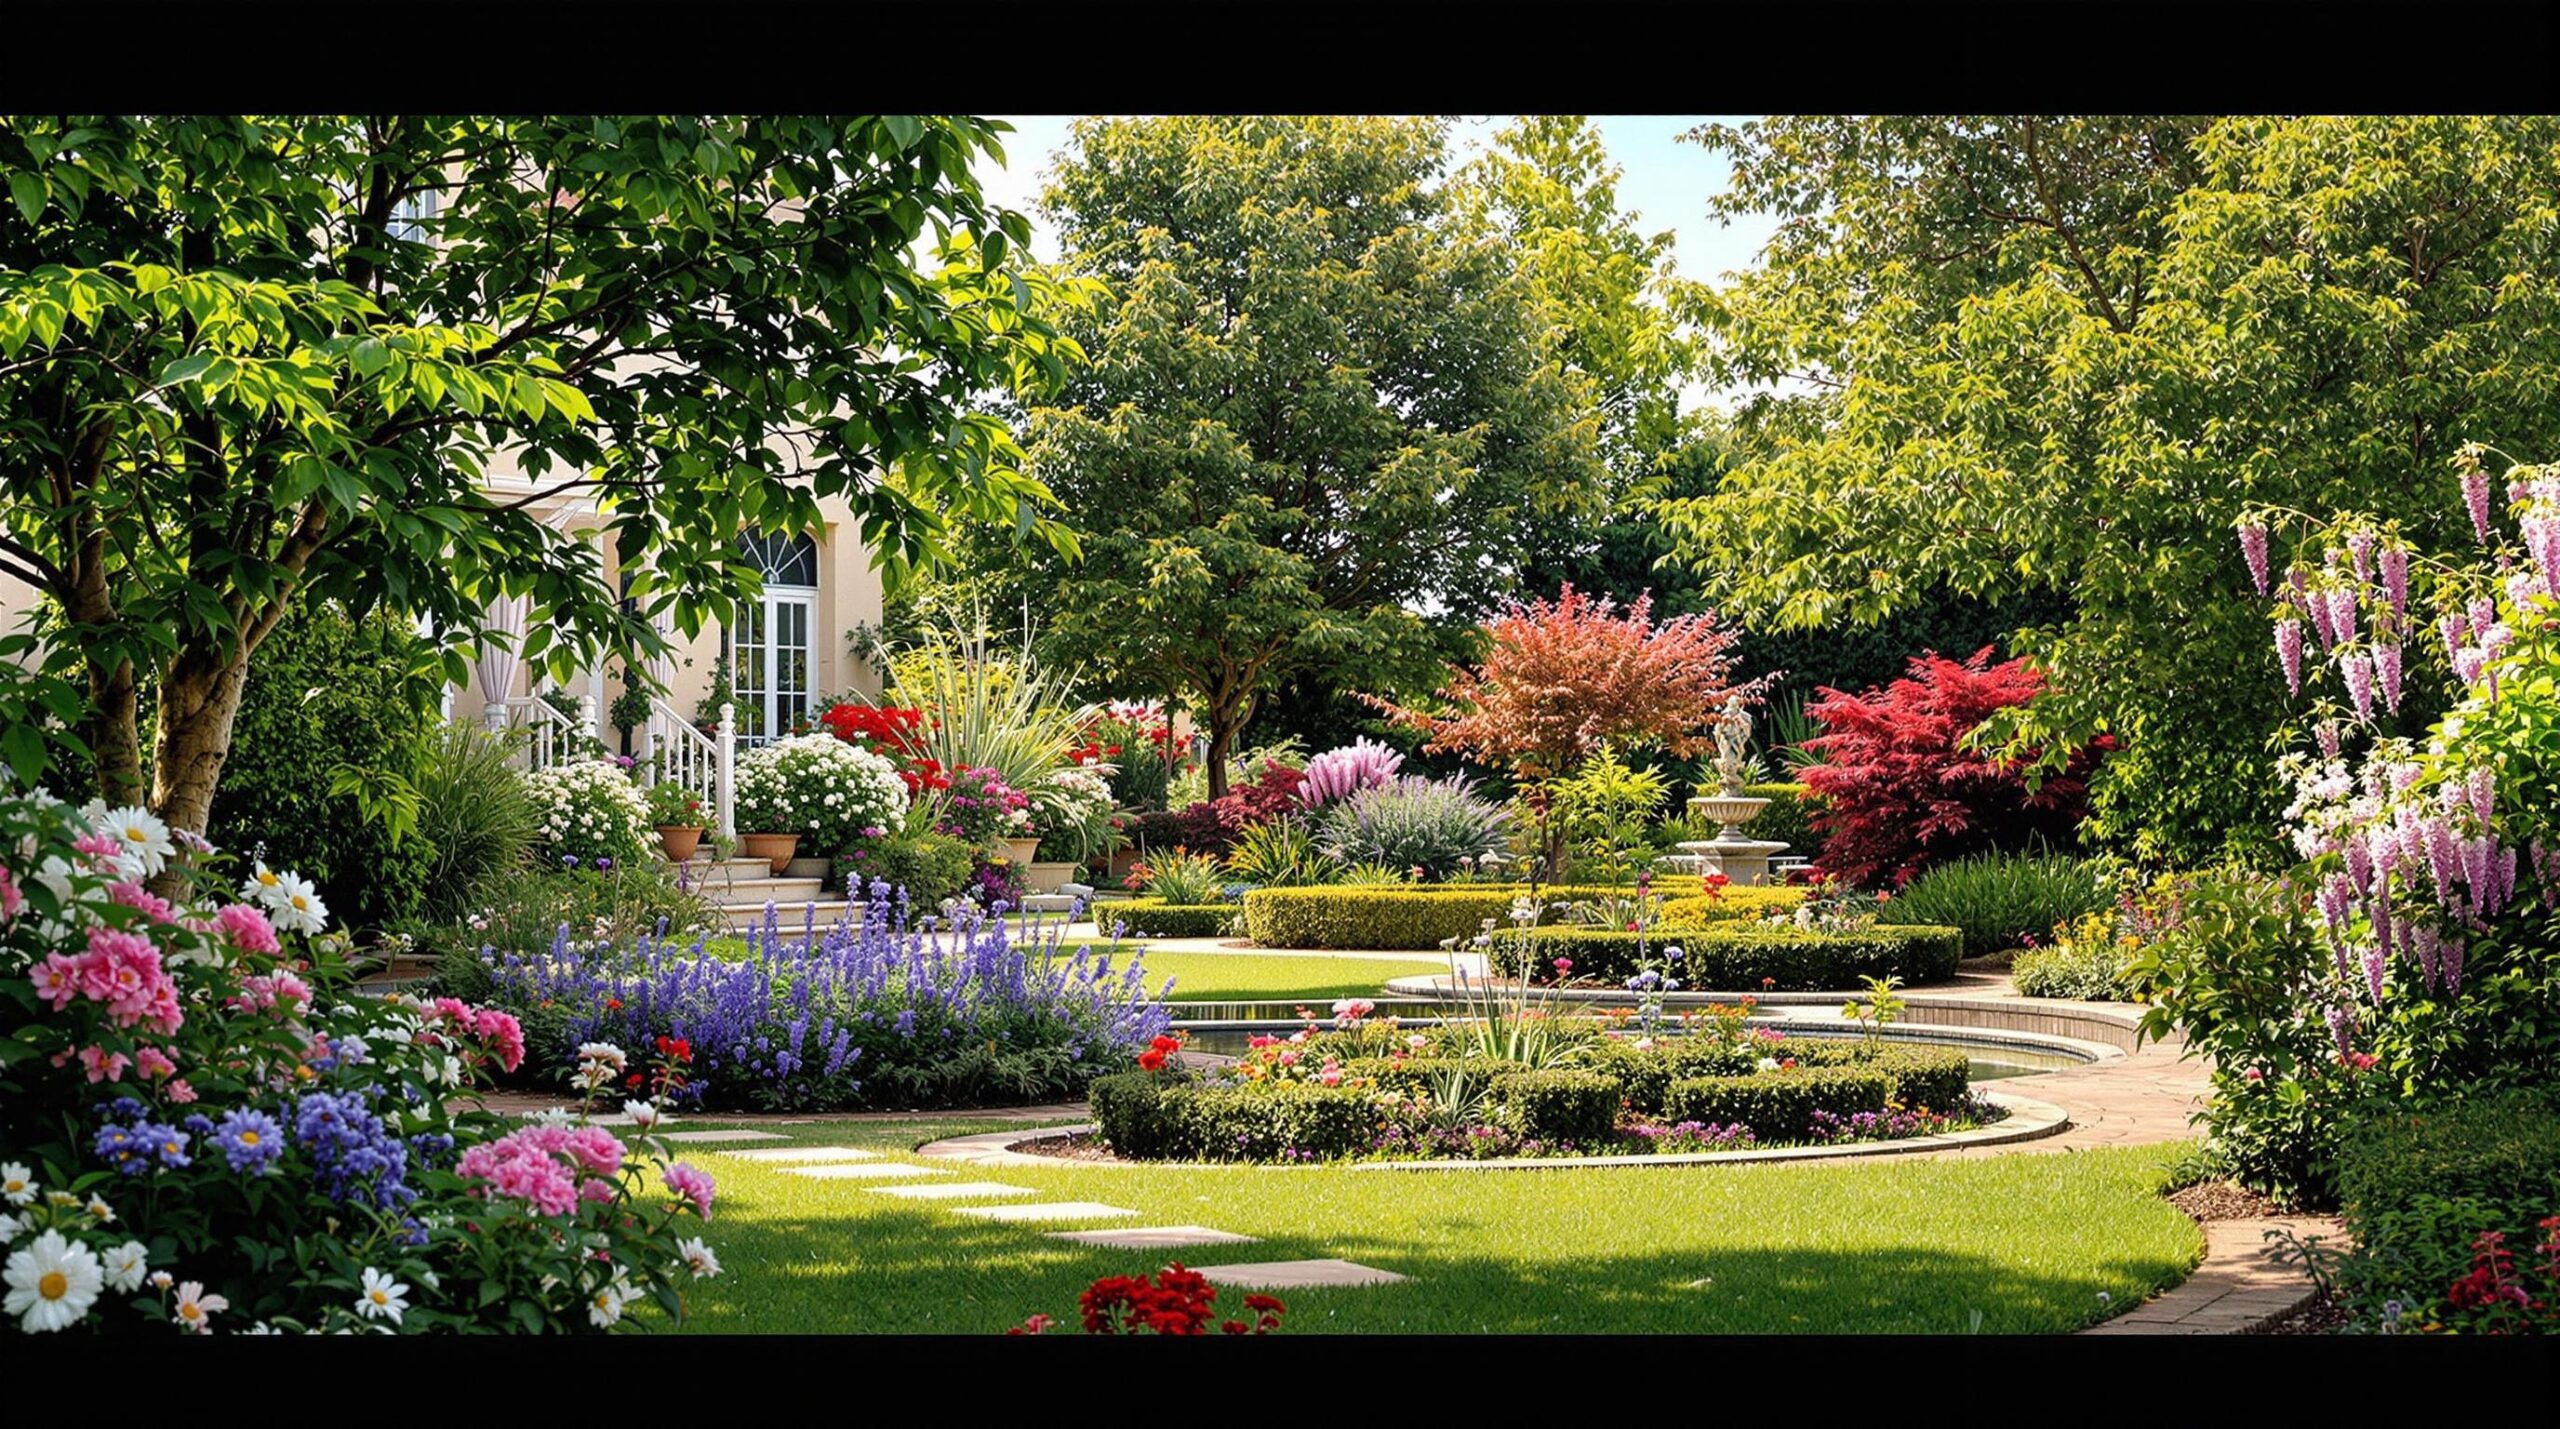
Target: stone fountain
<point x="1741" y="860"/>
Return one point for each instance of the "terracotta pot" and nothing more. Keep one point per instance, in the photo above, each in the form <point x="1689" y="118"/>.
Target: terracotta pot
<point x="1021" y="851"/>
<point x="1049" y="877"/>
<point x="775" y="849"/>
<point x="679" y="841"/>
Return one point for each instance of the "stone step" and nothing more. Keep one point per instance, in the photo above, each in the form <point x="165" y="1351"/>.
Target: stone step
<point x="793" y="913"/>
<point x="761" y="891"/>
<point x="701" y="864"/>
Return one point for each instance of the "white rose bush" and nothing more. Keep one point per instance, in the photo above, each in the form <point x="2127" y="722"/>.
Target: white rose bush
<point x="821" y="788"/>
<point x="591" y="813"/>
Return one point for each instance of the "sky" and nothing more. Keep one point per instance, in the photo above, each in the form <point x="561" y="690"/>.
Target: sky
<point x="1666" y="181"/>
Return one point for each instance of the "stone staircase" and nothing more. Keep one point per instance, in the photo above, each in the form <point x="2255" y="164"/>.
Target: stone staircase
<point x="741" y="887"/>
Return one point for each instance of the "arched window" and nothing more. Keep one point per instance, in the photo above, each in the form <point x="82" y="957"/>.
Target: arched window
<point x="785" y="559"/>
<point x="773" y="641"/>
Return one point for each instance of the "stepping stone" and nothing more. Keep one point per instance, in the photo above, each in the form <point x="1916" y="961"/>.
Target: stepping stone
<point x="802" y="1153"/>
<point x="1295" y="1274"/>
<point x="726" y="1136"/>
<point x="1151" y="1237"/>
<point x="952" y="1190"/>
<point x="1047" y="1211"/>
<point x="865" y="1171"/>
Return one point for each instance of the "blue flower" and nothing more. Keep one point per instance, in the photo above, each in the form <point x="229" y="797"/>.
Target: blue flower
<point x="250" y="1140"/>
<point x="568" y="860"/>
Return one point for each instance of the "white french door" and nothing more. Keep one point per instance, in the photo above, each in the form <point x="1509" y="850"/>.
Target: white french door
<point x="772" y="650"/>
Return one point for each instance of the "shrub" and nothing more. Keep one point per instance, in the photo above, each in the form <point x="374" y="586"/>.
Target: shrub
<point x="672" y="806"/>
<point x="1644" y="1076"/>
<point x="1560" y="1105"/>
<point x="476" y="817"/>
<point x="1413" y="822"/>
<point x="1179" y="877"/>
<point x="2088" y="972"/>
<point x="1155" y="918"/>
<point x="1072" y="812"/>
<point x="1734" y="959"/>
<point x="1732" y="904"/>
<point x="819" y="787"/>
<point x="325" y="693"/>
<point x="1337" y="774"/>
<point x="1897" y="789"/>
<point x="870" y="1013"/>
<point x="1148" y="1116"/>
<point x="276" y="1144"/>
<point x="1787" y="820"/>
<point x="929" y="867"/>
<point x="2419" y="1185"/>
<point x="1397" y="917"/>
<point x="1279" y="854"/>
<point x="981" y="809"/>
<point x="527" y="913"/>
<point x="1409" y="1076"/>
<point x="1935" y="1078"/>
<point x="1999" y="900"/>
<point x="589" y="810"/>
<point x="1777" y="1106"/>
<point x="1146" y="757"/>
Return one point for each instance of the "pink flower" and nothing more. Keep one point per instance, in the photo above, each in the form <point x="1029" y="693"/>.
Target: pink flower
<point x="2253" y="546"/>
<point x="2360" y="553"/>
<point x="2475" y="495"/>
<point x="2359" y="673"/>
<point x="247" y="928"/>
<point x="179" y="1092"/>
<point x="692" y="1184"/>
<point x="2253" y="1075"/>
<point x="1564" y="965"/>
<point x="594" y="1149"/>
<point x="104" y="1066"/>
<point x="57" y="980"/>
<point x="2386" y="673"/>
<point x="2289" y="653"/>
<point x="95" y="845"/>
<point x="2342" y="615"/>
<point x="134" y="895"/>
<point x="2395" y="578"/>
<point x="503" y="1035"/>
<point x="153" y="1063"/>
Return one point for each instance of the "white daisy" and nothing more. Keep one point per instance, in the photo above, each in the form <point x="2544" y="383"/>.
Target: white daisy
<point x="52" y="1283"/>
<point x="297" y="906"/>
<point x="604" y="1052"/>
<point x="195" y="1309"/>
<point x="9" y="1228"/>
<point x="141" y="839"/>
<point x="263" y="885"/>
<point x="126" y="1265"/>
<point x="100" y="1211"/>
<point x="643" y="1115"/>
<point x="697" y="1255"/>
<point x="383" y="1298"/>
<point x="604" y="1308"/>
<point x="17" y="1183"/>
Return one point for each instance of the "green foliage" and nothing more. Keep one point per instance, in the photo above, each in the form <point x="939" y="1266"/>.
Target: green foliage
<point x="1645" y="1077"/>
<point x="1279" y="854"/>
<point x="1936" y="1078"/>
<point x="1729" y="904"/>
<point x="1777" y="1106"/>
<point x="1181" y="878"/>
<point x="1412" y="822"/>
<point x="1606" y="809"/>
<point x="2418" y="1185"/>
<point x="523" y="909"/>
<point x="331" y="691"/>
<point x="931" y="867"/>
<point x="673" y="806"/>
<point x="1788" y="819"/>
<point x="2062" y="354"/>
<point x="1153" y="1116"/>
<point x="1273" y="464"/>
<point x="324" y="381"/>
<point x="986" y="708"/>
<point x="2089" y="972"/>
<point x="1560" y="1105"/>
<point x="2000" y="900"/>
<point x="1727" y="958"/>
<point x="475" y="817"/>
<point x="1159" y="918"/>
<point x="1392" y="914"/>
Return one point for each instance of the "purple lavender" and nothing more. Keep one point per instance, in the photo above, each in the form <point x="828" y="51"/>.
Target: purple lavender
<point x="1338" y="774"/>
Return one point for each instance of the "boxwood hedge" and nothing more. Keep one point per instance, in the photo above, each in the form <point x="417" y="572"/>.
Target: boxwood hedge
<point x="1777" y="1106"/>
<point x="1729" y="959"/>
<point x="1699" y="910"/>
<point x="2419" y="1185"/>
<point x="1419" y="919"/>
<point x="1147" y="1116"/>
<point x="1155" y="918"/>
<point x="1560" y="1105"/>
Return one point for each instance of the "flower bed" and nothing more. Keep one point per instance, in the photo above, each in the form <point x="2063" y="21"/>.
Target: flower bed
<point x="1775" y="959"/>
<point x="819" y="787"/>
<point x="589" y="810"/>
<point x="1366" y="1090"/>
<point x="200" y="1130"/>
<point x="876" y="1012"/>
<point x="1730" y="904"/>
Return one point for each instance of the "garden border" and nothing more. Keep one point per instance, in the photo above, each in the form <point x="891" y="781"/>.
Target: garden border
<point x="2029" y="1120"/>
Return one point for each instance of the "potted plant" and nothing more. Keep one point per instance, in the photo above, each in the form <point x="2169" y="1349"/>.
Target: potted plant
<point x="676" y="812"/>
<point x="991" y="814"/>
<point x="1075" y="824"/>
<point x="813" y="788"/>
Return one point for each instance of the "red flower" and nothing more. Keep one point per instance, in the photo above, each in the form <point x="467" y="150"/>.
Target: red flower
<point x="1151" y="1060"/>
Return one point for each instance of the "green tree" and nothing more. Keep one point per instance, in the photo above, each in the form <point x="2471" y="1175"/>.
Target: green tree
<point x="2063" y="353"/>
<point x="1323" y="423"/>
<point x="246" y="362"/>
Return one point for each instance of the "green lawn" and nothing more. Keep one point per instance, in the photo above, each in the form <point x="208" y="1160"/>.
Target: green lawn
<point x="2028" y="1241"/>
<point x="1229" y="976"/>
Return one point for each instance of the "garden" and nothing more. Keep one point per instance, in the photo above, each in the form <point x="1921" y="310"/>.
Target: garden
<point x="1908" y="852"/>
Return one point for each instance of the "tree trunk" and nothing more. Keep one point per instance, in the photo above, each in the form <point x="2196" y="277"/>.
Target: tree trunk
<point x="1224" y="721"/>
<point x="110" y="727"/>
<point x="192" y="736"/>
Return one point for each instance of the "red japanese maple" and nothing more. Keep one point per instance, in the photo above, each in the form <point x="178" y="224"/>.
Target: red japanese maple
<point x="1896" y="789"/>
<point x="1562" y="678"/>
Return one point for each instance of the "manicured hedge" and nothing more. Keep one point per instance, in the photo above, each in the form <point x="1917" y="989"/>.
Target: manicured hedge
<point x="1391" y="918"/>
<point x="1933" y="1077"/>
<point x="1777" y="1106"/>
<point x="1158" y="919"/>
<point x="2418" y="1186"/>
<point x="1560" y="1105"/>
<point x="1699" y="910"/>
<point x="1644" y="1078"/>
<point x="1410" y="1076"/>
<point x="1729" y="959"/>
<point x="1148" y="1116"/>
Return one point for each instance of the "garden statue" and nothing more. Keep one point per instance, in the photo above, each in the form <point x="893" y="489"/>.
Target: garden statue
<point x="1733" y="741"/>
<point x="1741" y="860"/>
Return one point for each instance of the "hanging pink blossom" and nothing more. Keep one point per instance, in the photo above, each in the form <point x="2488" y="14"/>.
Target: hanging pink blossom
<point x="2359" y="867"/>
<point x="2449" y="962"/>
<point x="2360" y="553"/>
<point x="2395" y="578"/>
<point x="2342" y="614"/>
<point x="2359" y="673"/>
<point x="2342" y="1026"/>
<point x="2327" y="733"/>
<point x="2373" y="973"/>
<point x="2484" y="613"/>
<point x="2482" y="791"/>
<point x="2289" y="653"/>
<point x="2468" y="664"/>
<point x="2253" y="545"/>
<point x="2452" y="629"/>
<point x="2475" y="495"/>
<point x="2427" y="944"/>
<point x="2386" y="674"/>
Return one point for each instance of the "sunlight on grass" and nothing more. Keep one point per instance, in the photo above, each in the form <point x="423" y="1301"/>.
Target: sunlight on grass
<point x="1218" y="976"/>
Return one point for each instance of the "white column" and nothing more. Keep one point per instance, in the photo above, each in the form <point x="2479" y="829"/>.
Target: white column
<point x="725" y="801"/>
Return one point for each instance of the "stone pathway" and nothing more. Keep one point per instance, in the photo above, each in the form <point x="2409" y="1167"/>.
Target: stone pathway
<point x="1296" y="1274"/>
<point x="805" y="1153"/>
<point x="953" y="1191"/>
<point x="728" y="1135"/>
<point x="2238" y="1290"/>
<point x="1046" y="1211"/>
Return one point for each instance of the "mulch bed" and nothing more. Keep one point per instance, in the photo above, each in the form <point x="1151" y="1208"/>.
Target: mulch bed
<point x="1077" y="1146"/>
<point x="2222" y="1201"/>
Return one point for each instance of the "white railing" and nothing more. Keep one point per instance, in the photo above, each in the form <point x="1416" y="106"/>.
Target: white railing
<point x="547" y="736"/>
<point x="672" y="747"/>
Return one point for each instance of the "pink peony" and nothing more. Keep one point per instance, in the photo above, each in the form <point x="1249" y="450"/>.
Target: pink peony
<point x="134" y="895"/>
<point x="691" y="1183"/>
<point x="247" y="928"/>
<point x="153" y="1063"/>
<point x="179" y="1092"/>
<point x="503" y="1035"/>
